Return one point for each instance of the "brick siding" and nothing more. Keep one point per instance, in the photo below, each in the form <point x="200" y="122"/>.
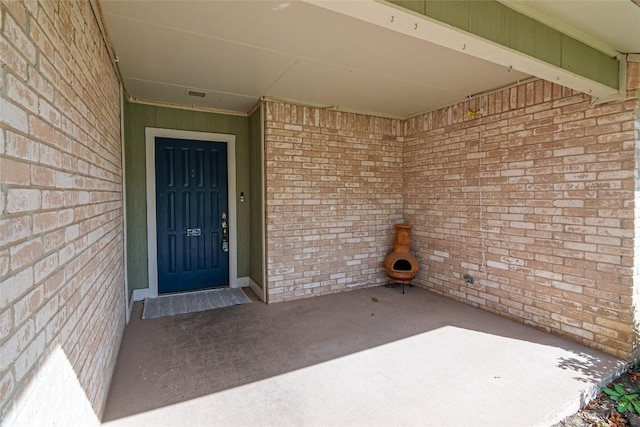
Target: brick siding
<point x="334" y="192"/>
<point x="633" y="87"/>
<point x="534" y="198"/>
<point x="61" y="237"/>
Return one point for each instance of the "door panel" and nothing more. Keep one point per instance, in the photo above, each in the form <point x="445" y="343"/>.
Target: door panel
<point x="191" y="197"/>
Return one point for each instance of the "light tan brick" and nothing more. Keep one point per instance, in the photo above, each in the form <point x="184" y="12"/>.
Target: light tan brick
<point x="46" y="313"/>
<point x="25" y="254"/>
<point x="27" y="305"/>
<point x="572" y="182"/>
<point x="12" y="59"/>
<point x="13" y="116"/>
<point x="4" y="262"/>
<point x="312" y="176"/>
<point x="41" y="154"/>
<point x="27" y="359"/>
<point x="45" y="267"/>
<point x="18" y="92"/>
<point x="14" y="229"/>
<point x="22" y="200"/>
<point x="16" y="36"/>
<point x="7" y="385"/>
<point x="39" y="84"/>
<point x="21" y="147"/>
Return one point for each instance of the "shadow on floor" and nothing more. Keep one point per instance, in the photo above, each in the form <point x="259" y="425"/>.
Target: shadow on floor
<point x="432" y="340"/>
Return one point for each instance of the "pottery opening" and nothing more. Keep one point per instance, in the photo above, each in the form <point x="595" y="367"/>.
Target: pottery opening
<point x="402" y="265"/>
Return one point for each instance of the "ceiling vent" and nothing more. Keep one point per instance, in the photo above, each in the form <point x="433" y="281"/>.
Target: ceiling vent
<point x="196" y="93"/>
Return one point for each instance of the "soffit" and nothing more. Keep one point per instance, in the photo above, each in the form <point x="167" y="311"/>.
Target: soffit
<point x="239" y="51"/>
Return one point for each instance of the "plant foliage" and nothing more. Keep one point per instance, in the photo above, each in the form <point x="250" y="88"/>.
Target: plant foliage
<point x="627" y="399"/>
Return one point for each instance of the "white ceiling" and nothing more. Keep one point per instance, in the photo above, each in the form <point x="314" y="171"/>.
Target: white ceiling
<point x="239" y="51"/>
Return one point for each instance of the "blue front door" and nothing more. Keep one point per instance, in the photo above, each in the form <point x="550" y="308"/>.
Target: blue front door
<point x="192" y="216"/>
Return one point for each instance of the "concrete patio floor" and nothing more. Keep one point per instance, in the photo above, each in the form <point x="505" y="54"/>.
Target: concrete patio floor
<point x="362" y="358"/>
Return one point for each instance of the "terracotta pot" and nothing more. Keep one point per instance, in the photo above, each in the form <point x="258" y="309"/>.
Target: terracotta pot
<point x="401" y="265"/>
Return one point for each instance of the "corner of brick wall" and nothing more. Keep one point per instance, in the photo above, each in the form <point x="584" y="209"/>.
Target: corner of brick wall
<point x="633" y="90"/>
<point x="334" y="193"/>
<point x="534" y="198"/>
<point x="61" y="238"/>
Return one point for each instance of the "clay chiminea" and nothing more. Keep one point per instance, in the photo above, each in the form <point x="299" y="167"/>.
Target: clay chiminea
<point x="401" y="265"/>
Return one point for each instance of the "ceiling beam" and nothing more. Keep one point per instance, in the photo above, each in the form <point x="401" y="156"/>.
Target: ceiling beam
<point x="491" y="31"/>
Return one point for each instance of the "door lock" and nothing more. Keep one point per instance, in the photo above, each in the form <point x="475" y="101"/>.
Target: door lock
<point x="225" y="239"/>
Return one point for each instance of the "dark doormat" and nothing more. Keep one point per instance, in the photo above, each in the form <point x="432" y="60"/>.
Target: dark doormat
<point x="191" y="302"/>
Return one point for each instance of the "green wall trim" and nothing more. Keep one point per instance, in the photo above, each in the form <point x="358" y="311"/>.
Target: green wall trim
<point x="136" y="118"/>
<point x="498" y="23"/>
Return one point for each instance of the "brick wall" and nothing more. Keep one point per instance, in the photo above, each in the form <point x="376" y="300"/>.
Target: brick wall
<point x="633" y="86"/>
<point x="533" y="197"/>
<point x="334" y="192"/>
<point x="61" y="239"/>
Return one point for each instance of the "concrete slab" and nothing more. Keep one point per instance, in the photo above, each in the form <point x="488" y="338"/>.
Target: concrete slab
<point x="363" y="358"/>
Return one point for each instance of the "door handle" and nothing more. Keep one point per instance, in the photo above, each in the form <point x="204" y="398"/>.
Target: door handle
<point x="225" y="239"/>
<point x="194" y="232"/>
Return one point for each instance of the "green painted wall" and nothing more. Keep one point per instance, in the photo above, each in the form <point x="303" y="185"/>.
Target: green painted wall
<point x="498" y="23"/>
<point x="255" y="198"/>
<point x="136" y="118"/>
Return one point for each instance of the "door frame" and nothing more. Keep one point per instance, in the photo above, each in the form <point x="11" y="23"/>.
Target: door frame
<point x="152" y="244"/>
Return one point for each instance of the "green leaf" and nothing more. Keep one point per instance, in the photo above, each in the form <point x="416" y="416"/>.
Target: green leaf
<point x="636" y="406"/>
<point x="623" y="407"/>
<point x="613" y="394"/>
<point x="619" y="389"/>
<point x="608" y="390"/>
